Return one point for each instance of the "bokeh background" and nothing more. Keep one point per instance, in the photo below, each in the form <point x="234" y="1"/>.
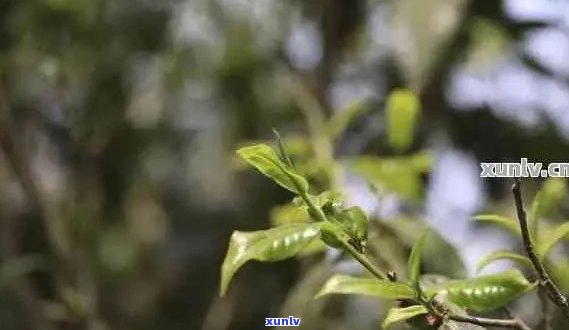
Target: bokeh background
<point x="119" y="186"/>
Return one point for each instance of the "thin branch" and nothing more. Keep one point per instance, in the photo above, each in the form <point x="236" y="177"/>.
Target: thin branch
<point x="316" y="212"/>
<point x="545" y="280"/>
<point x="514" y="323"/>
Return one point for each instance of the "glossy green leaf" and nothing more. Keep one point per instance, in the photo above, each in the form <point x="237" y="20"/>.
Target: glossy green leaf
<point x="265" y="245"/>
<point x="402" y="112"/>
<point x="484" y="293"/>
<point x="503" y="255"/>
<point x="553" y="238"/>
<point x="344" y="284"/>
<point x="341" y="119"/>
<point x="265" y="160"/>
<point x="414" y="262"/>
<point x="395" y="315"/>
<point x="501" y="221"/>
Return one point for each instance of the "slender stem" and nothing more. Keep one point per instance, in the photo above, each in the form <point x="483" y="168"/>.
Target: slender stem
<point x="361" y="258"/>
<point x="364" y="261"/>
<point x="545" y="280"/>
<point x="482" y="321"/>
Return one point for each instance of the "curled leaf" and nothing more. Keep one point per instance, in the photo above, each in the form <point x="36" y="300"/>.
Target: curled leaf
<point x="265" y="245"/>
<point x="266" y="161"/>
<point x="553" y="238"/>
<point x="501" y="255"/>
<point x="501" y="221"/>
<point x="485" y="293"/>
<point x="414" y="263"/>
<point x="344" y="284"/>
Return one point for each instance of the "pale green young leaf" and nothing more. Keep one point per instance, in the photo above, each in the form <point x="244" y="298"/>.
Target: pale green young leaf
<point x="553" y="238"/>
<point x="548" y="197"/>
<point x="501" y="221"/>
<point x="344" y="284"/>
<point x="402" y="112"/>
<point x="289" y="213"/>
<point x="395" y="315"/>
<point x="414" y="262"/>
<point x="503" y="255"/>
<point x="265" y="245"/>
<point x="484" y="293"/>
<point x="266" y="161"/>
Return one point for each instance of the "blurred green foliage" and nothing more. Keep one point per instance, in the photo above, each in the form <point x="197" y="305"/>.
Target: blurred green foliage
<point x="119" y="187"/>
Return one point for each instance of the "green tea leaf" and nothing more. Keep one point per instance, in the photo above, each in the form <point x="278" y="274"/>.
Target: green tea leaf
<point x="333" y="235"/>
<point x="553" y="238"/>
<point x="501" y="221"/>
<point x="395" y="315"/>
<point x="484" y="293"/>
<point x="264" y="159"/>
<point x="402" y="112"/>
<point x="352" y="221"/>
<point x="548" y="197"/>
<point x="501" y="255"/>
<point x="344" y="284"/>
<point x="265" y="245"/>
<point x="289" y="213"/>
<point x="414" y="263"/>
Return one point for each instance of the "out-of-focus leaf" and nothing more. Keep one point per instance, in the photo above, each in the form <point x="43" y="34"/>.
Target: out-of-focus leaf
<point x="264" y="159"/>
<point x="560" y="273"/>
<point x="400" y="175"/>
<point x="341" y="119"/>
<point x="501" y="255"/>
<point x="548" y="198"/>
<point x="395" y="315"/>
<point x="22" y="266"/>
<point x="421" y="35"/>
<point x="409" y="230"/>
<point x="402" y="112"/>
<point x="414" y="262"/>
<point x="289" y="213"/>
<point x="265" y="245"/>
<point x="501" y="221"/>
<point x="552" y="238"/>
<point x="484" y="293"/>
<point x="344" y="284"/>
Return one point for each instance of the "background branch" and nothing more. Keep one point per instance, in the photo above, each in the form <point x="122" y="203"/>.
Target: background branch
<point x="512" y="323"/>
<point x="545" y="280"/>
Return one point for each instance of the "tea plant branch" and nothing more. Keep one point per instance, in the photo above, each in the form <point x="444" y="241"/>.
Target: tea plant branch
<point x="316" y="212"/>
<point x="514" y="323"/>
<point x="545" y="280"/>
